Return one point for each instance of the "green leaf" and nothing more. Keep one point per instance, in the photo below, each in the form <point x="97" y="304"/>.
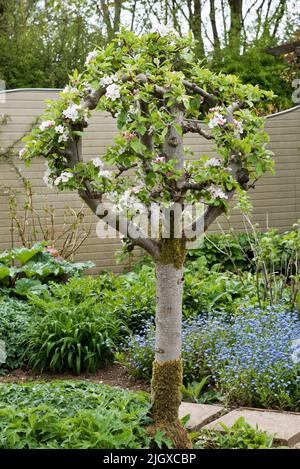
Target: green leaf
<point x="4" y="272"/>
<point x="25" y="286"/>
<point x="137" y="146"/>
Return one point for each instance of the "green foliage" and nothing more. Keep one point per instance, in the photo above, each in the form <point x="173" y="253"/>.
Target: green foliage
<point x="134" y="300"/>
<point x="255" y="66"/>
<point x="201" y="392"/>
<point x="26" y="269"/>
<point x="14" y="320"/>
<point x="210" y="290"/>
<point x="231" y="251"/>
<point x="240" y="436"/>
<point x="271" y="256"/>
<point x="72" y="415"/>
<point x="39" y="46"/>
<point x="66" y="335"/>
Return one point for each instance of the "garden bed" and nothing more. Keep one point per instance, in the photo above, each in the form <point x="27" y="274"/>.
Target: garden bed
<point x="113" y="375"/>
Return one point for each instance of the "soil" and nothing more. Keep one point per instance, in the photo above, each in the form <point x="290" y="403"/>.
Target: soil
<point x="114" y="375"/>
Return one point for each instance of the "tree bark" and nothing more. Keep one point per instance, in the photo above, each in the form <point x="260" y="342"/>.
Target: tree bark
<point x="236" y="25"/>
<point x="167" y="366"/>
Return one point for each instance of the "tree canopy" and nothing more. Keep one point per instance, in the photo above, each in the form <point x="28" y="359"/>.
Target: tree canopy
<point x="157" y="91"/>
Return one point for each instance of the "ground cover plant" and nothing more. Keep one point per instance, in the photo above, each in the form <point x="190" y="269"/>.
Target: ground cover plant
<point x="240" y="436"/>
<point x="248" y="358"/>
<point x="84" y="415"/>
<point x="14" y="322"/>
<point x="72" y="415"/>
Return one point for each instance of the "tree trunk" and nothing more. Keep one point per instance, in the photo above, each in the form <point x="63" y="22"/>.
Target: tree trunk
<point x="167" y="367"/>
<point x="235" y="32"/>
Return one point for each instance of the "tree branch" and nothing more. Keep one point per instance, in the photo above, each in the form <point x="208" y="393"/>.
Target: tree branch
<point x="210" y="98"/>
<point x="194" y="126"/>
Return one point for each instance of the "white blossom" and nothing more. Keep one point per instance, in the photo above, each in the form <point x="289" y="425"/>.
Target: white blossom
<point x="238" y="126"/>
<point x="113" y="92"/>
<point x="159" y="159"/>
<point x="60" y="129"/>
<point x="46" y="177"/>
<point x="128" y="201"/>
<point x="212" y="162"/>
<point x="72" y="112"/>
<point x="217" y="120"/>
<point x="63" y="138"/>
<point x="98" y="163"/>
<point x="216" y="109"/>
<point x="104" y="173"/>
<point x="70" y="89"/>
<point x="22" y="152"/>
<point x="64" y="177"/>
<point x="217" y="192"/>
<point x="47" y="125"/>
<point x="108" y="80"/>
<point x="91" y="56"/>
<point x="63" y="131"/>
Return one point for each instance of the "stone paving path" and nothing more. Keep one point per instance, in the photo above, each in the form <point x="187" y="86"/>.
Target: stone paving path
<point x="284" y="425"/>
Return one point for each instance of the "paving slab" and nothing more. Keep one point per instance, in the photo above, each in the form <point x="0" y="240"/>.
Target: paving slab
<point x="284" y="425"/>
<point x="200" y="414"/>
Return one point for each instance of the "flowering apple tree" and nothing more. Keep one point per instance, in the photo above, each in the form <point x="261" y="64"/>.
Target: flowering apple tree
<point x="157" y="92"/>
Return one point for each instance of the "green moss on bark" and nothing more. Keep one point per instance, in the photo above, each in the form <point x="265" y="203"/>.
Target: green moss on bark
<point x="166" y="398"/>
<point x="172" y="252"/>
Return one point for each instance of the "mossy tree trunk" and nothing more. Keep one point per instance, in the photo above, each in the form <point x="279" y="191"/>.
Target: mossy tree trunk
<point x="167" y="366"/>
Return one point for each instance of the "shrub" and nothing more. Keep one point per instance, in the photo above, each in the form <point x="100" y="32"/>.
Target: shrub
<point x="249" y="356"/>
<point x="71" y="415"/>
<point x="14" y="319"/>
<point x="230" y="251"/>
<point x="129" y="297"/>
<point x="67" y="335"/>
<point x="206" y="290"/>
<point x="134" y="300"/>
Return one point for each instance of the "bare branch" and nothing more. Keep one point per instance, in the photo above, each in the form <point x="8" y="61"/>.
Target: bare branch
<point x="194" y="126"/>
<point x="211" y="99"/>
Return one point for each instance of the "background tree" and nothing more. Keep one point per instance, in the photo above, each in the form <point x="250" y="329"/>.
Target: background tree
<point x="41" y="41"/>
<point x="158" y="92"/>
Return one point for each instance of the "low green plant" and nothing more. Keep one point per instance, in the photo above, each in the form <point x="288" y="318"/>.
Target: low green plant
<point x="67" y="335"/>
<point x="201" y="392"/>
<point x="72" y="415"/>
<point x="231" y="251"/>
<point x="240" y="436"/>
<point x="35" y="263"/>
<point x="271" y="258"/>
<point x="14" y="321"/>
